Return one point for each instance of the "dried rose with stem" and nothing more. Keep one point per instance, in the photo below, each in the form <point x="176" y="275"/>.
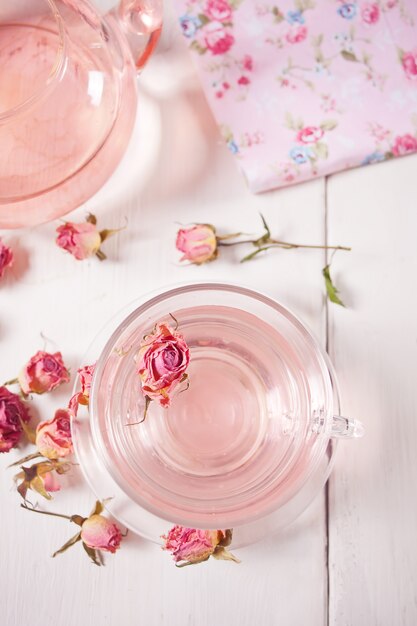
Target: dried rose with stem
<point x="98" y="534"/>
<point x="83" y="239"/>
<point x="162" y="362"/>
<point x="40" y="477"/>
<point x="53" y="441"/>
<point x="190" y="546"/>
<point x="199" y="244"/>
<point x="266" y="242"/>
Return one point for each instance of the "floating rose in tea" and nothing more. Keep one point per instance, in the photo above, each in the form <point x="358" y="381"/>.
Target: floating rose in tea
<point x="163" y="359"/>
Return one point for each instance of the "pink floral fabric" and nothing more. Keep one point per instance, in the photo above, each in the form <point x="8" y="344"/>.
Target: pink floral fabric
<point x="304" y="88"/>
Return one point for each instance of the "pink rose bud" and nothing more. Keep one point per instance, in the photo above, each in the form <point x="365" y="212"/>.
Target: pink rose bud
<point x="53" y="437"/>
<point x="85" y="375"/>
<point x="43" y="373"/>
<point x="50" y="482"/>
<point x="191" y="545"/>
<point x="13" y="413"/>
<point x="6" y="257"/>
<point x="198" y="243"/>
<point x="99" y="533"/>
<point x="81" y="240"/>
<point x="162" y="361"/>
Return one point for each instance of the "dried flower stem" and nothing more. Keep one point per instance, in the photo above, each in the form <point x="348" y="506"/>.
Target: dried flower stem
<point x="28" y="508"/>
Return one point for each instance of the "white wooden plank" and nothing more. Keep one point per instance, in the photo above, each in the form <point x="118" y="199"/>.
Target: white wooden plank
<point x="282" y="580"/>
<point x="373" y="505"/>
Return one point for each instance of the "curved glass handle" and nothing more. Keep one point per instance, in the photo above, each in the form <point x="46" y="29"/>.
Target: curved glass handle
<point x="141" y="23"/>
<point x="346" y="427"/>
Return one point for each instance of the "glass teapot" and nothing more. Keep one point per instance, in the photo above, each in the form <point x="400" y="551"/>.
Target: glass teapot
<point x="67" y="100"/>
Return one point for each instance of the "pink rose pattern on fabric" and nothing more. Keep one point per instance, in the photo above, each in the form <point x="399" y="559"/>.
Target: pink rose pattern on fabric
<point x="260" y="63"/>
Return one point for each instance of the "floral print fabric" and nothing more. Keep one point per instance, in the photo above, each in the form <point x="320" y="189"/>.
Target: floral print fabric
<point x="304" y="88"/>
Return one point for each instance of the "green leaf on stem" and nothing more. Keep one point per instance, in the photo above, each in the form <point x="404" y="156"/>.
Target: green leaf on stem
<point x="252" y="255"/>
<point x="328" y="124"/>
<point x="222" y="554"/>
<point x="320" y="149"/>
<point x="203" y="19"/>
<point x="29" y="432"/>
<point x="91" y="219"/>
<point x="265" y="225"/>
<point x="98" y="508"/>
<point x="349" y="56"/>
<point x="13" y="381"/>
<point x="68" y="544"/>
<point x="94" y="555"/>
<point x="331" y="290"/>
<point x="25" y="459"/>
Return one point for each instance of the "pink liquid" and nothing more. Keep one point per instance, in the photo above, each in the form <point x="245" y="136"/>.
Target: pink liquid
<point x="61" y="135"/>
<point x="235" y="444"/>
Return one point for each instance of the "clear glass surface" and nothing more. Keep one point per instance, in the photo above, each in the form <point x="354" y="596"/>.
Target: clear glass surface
<point x="247" y="446"/>
<point x="67" y="104"/>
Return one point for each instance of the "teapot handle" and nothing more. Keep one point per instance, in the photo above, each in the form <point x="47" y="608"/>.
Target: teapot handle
<point x="141" y="23"/>
<point x="345" y="427"/>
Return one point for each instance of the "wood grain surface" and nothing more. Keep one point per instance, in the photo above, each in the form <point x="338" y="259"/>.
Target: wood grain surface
<point x="351" y="558"/>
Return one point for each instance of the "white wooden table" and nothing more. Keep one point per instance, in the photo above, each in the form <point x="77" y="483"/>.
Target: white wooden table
<point x="351" y="559"/>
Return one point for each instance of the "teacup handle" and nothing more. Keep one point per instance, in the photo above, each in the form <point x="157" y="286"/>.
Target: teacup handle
<point x="346" y="427"/>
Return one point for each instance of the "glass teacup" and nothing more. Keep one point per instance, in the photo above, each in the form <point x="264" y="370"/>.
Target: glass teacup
<point x="248" y="444"/>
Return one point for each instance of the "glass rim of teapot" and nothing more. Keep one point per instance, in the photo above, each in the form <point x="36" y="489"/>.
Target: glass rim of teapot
<point x="54" y="75"/>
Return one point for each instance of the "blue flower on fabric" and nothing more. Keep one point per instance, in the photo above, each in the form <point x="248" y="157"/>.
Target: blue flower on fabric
<point x="348" y="10"/>
<point x="295" y="17"/>
<point x="375" y="157"/>
<point x="189" y="25"/>
<point x="300" y="154"/>
<point x="233" y="147"/>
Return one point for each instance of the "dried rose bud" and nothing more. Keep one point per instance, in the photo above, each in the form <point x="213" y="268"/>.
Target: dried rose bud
<point x="99" y="533"/>
<point x="53" y="437"/>
<point x="191" y="545"/>
<point x="13" y="415"/>
<point x="6" y="257"/>
<point x="41" y="478"/>
<point x="162" y="361"/>
<point x="81" y="240"/>
<point x="197" y="243"/>
<point x="85" y="375"/>
<point x="43" y="372"/>
<point x="96" y="533"/>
